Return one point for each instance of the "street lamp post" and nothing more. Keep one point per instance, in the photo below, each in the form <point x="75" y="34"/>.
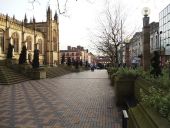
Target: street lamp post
<point x="146" y="40"/>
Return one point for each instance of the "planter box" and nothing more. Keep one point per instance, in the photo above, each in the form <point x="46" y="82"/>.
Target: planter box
<point x="39" y="73"/>
<point x="24" y="68"/>
<point x="141" y="116"/>
<point x="142" y="85"/>
<point x="124" y="89"/>
<point x="113" y="77"/>
<point x="10" y="62"/>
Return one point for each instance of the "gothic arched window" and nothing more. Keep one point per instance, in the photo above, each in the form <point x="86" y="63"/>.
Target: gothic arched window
<point x="29" y="43"/>
<point x="15" y="38"/>
<point x="55" y="40"/>
<point x="40" y="46"/>
<point x="1" y="40"/>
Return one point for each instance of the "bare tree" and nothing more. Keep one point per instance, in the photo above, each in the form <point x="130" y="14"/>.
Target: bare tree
<point x="112" y="33"/>
<point x="32" y="2"/>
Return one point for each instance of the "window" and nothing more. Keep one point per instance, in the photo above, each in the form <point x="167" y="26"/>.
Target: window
<point x="151" y="42"/>
<point x="169" y="8"/>
<point x="165" y="28"/>
<point x="160" y="22"/>
<point x="15" y="38"/>
<point x="1" y="40"/>
<point x="77" y="54"/>
<point x="164" y="13"/>
<point x="29" y="43"/>
<point x="168" y="17"/>
<point x="164" y="20"/>
<point x="167" y="25"/>
<point x="163" y="43"/>
<point x="166" y="42"/>
<point x="54" y="40"/>
<point x="166" y="34"/>
<point x="161" y="28"/>
<point x="40" y="46"/>
<point x="160" y="15"/>
<point x="157" y="42"/>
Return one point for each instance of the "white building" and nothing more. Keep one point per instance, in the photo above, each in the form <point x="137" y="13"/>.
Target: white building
<point x="135" y="48"/>
<point x="154" y="37"/>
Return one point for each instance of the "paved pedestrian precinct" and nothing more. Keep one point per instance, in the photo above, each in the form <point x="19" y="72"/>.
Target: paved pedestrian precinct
<point x="77" y="100"/>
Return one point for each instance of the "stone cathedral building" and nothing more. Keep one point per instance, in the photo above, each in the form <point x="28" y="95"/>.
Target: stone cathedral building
<point x="35" y="35"/>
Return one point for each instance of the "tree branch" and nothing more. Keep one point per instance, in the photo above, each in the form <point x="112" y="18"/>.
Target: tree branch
<point x="33" y="2"/>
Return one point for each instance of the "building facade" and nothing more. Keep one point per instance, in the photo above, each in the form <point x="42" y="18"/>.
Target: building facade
<point x="91" y="58"/>
<point x="35" y="35"/>
<point x="75" y="53"/>
<point x="135" y="48"/>
<point x="104" y="60"/>
<point x="154" y="37"/>
<point x="136" y="44"/>
<point x="164" y="30"/>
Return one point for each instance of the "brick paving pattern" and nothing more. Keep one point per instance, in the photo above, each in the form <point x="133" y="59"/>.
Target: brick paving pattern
<point x="77" y="100"/>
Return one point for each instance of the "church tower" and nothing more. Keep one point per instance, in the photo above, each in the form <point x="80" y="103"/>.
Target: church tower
<point x="56" y="40"/>
<point x="25" y="19"/>
<point x="49" y="44"/>
<point x="52" y="38"/>
<point x="56" y="17"/>
<point x="49" y="13"/>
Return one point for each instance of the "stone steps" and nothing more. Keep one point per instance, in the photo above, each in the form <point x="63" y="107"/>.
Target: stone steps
<point x="2" y="62"/>
<point x="56" y="71"/>
<point x="8" y="76"/>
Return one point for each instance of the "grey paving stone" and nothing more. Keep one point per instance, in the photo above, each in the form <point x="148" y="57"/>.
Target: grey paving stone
<point x="77" y="100"/>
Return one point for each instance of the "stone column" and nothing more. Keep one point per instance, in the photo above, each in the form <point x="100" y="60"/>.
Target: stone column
<point x="146" y="43"/>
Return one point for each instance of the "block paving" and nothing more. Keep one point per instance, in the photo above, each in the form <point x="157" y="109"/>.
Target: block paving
<point x="77" y="100"/>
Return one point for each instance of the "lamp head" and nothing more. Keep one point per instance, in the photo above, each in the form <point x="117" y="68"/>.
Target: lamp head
<point x="146" y="11"/>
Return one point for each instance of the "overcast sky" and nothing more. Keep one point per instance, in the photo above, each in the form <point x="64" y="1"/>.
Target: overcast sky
<point x="82" y="17"/>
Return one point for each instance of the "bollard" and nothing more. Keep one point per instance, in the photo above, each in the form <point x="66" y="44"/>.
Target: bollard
<point x="124" y="119"/>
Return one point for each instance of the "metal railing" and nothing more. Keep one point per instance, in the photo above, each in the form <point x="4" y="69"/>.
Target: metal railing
<point x="124" y="119"/>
